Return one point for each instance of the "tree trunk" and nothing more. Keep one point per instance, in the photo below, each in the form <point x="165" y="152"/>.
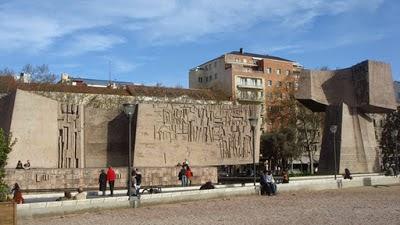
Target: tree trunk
<point x="311" y="158"/>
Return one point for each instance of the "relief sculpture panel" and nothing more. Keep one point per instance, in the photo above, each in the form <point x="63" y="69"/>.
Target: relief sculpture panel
<point x="204" y="134"/>
<point x="69" y="136"/>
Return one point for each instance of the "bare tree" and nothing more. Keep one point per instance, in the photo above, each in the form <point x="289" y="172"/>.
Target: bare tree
<point x="309" y="132"/>
<point x="40" y="74"/>
<point x="7" y="72"/>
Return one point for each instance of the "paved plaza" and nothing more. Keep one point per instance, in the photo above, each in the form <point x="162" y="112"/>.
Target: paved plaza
<point x="366" y="205"/>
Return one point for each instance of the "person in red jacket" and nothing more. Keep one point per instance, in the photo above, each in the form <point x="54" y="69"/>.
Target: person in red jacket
<point x="189" y="175"/>
<point x="111" y="179"/>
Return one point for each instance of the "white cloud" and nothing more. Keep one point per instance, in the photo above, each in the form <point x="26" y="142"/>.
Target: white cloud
<point x="122" y="66"/>
<point x="91" y="42"/>
<point x="37" y="25"/>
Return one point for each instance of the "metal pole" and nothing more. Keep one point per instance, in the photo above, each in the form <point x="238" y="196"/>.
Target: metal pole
<point x="397" y="157"/>
<point x="334" y="152"/>
<point x="130" y="158"/>
<point x="254" y="155"/>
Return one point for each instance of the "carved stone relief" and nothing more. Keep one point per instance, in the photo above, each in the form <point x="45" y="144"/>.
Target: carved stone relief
<point x="69" y="136"/>
<point x="224" y="126"/>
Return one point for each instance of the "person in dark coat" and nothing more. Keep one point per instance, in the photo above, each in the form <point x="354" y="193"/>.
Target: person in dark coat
<point x="19" y="165"/>
<point x="207" y="185"/>
<point x="103" y="182"/>
<point x="347" y="174"/>
<point x="17" y="194"/>
<point x="263" y="183"/>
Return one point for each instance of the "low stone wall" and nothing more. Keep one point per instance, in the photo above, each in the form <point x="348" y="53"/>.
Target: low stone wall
<point x="30" y="210"/>
<point x="58" y="179"/>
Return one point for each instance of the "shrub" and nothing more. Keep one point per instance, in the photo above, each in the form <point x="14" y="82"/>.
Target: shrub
<point x="6" y="143"/>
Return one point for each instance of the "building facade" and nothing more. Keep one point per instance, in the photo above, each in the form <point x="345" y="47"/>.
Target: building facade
<point x="248" y="78"/>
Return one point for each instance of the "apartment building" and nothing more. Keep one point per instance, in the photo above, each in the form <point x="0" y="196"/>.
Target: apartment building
<point x="248" y="78"/>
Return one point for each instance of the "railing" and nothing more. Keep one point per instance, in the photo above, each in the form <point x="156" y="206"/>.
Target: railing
<point x="242" y="63"/>
<point x="8" y="213"/>
<point x="255" y="86"/>
<point x="250" y="98"/>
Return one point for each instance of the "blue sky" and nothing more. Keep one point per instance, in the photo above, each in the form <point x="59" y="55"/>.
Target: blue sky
<point x="158" y="41"/>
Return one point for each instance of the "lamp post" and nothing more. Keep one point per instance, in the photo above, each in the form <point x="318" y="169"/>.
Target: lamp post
<point x="253" y="123"/>
<point x="129" y="110"/>
<point x="333" y="129"/>
<point x="394" y="134"/>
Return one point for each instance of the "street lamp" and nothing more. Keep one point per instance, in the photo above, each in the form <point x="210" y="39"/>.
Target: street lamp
<point x="394" y="134"/>
<point x="253" y="123"/>
<point x="333" y="129"/>
<point x="129" y="110"/>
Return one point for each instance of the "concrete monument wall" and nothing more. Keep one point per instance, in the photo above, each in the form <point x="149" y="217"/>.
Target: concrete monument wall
<point x="6" y="107"/>
<point x="167" y="134"/>
<point x="106" y="137"/>
<point x="349" y="96"/>
<point x="53" y="179"/>
<point x="34" y="124"/>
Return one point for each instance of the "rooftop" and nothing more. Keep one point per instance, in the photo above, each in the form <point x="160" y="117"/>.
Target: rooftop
<point x="260" y="56"/>
<point x="8" y="84"/>
<point x="99" y="82"/>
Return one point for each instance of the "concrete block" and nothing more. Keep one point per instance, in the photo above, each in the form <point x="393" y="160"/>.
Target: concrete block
<point x="38" y="205"/>
<point x="69" y="203"/>
<point x="54" y="204"/>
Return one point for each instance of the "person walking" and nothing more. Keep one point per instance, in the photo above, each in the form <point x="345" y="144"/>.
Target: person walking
<point x="182" y="176"/>
<point x="103" y="182"/>
<point x="17" y="194"/>
<point x="189" y="175"/>
<point x="111" y="179"/>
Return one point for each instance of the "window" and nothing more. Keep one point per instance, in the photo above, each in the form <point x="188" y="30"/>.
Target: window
<point x="269" y="83"/>
<point x="269" y="70"/>
<point x="279" y="84"/>
<point x="206" y="79"/>
<point x="210" y="77"/>
<point x="287" y="72"/>
<point x="215" y="64"/>
<point x="278" y="71"/>
<point x="289" y="84"/>
<point x="215" y="76"/>
<point x="200" y="80"/>
<point x="245" y="60"/>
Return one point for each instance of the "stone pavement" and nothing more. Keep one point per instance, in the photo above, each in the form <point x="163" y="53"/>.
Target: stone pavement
<point x="363" y="206"/>
<point x="66" y="207"/>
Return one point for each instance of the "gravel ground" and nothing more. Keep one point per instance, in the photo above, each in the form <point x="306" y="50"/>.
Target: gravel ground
<point x="366" y="205"/>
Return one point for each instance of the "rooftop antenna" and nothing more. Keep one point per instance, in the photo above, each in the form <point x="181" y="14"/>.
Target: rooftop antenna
<point x="109" y="72"/>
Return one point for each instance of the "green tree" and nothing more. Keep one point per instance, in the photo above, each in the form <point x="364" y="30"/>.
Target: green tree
<point x="387" y="142"/>
<point x="6" y="144"/>
<point x="279" y="146"/>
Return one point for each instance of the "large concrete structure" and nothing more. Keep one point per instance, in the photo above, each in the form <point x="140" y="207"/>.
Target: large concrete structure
<point x="348" y="96"/>
<point x="249" y="78"/>
<point x="69" y="127"/>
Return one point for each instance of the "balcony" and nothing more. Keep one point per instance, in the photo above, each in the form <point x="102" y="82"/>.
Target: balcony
<point x="250" y="86"/>
<point x="252" y="64"/>
<point x="250" y="97"/>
